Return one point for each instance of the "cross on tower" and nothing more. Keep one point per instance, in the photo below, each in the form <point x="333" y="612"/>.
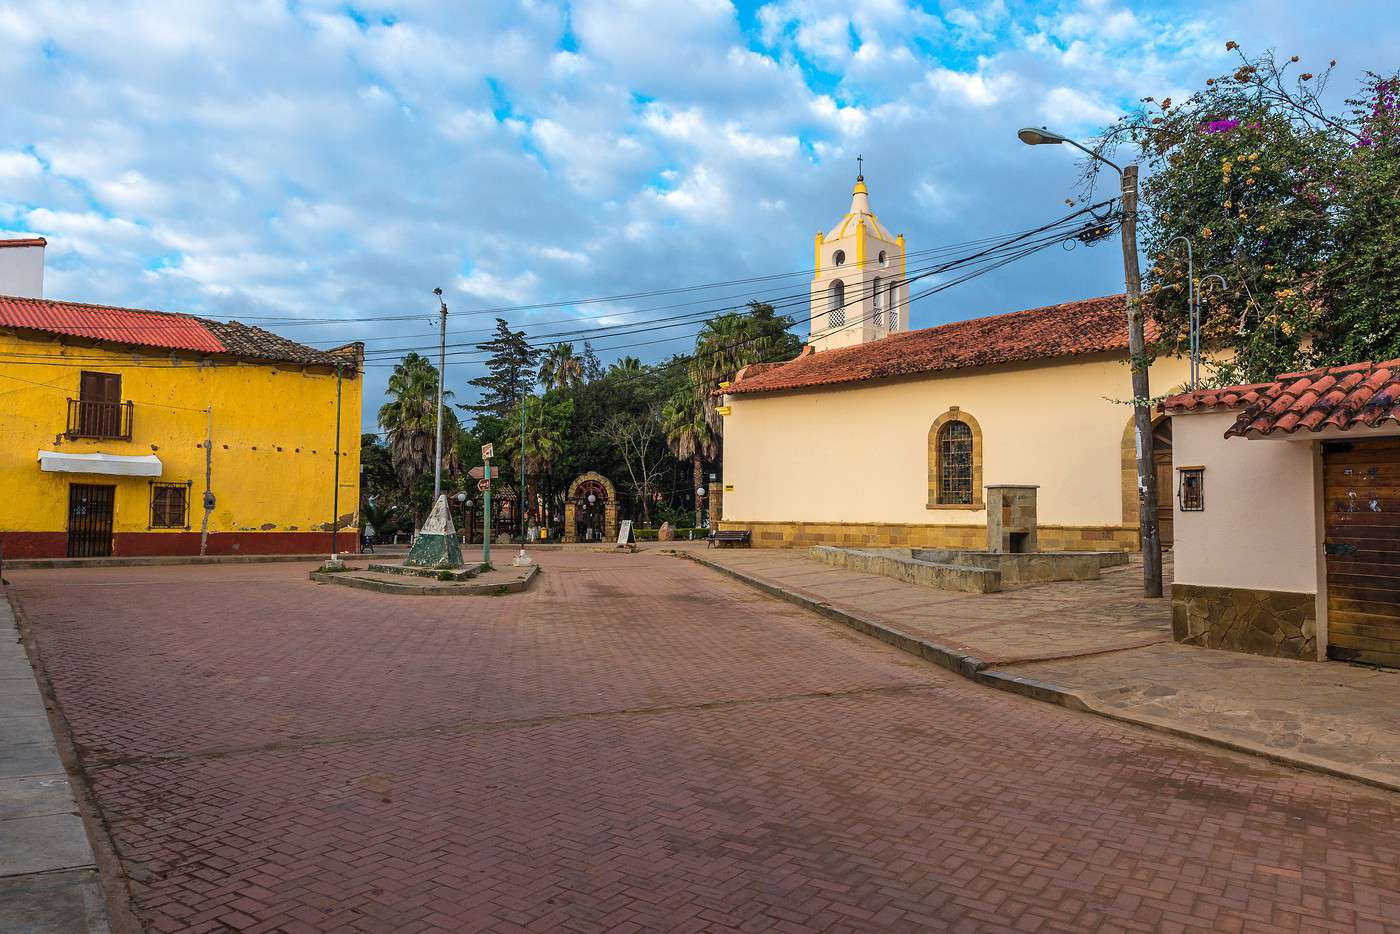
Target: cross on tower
<point x="860" y="167"/>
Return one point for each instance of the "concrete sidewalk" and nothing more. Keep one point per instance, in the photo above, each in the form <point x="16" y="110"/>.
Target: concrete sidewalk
<point x="48" y="874"/>
<point x="1101" y="646"/>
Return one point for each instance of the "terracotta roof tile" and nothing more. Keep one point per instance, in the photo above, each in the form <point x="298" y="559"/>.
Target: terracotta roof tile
<point x="166" y="330"/>
<point x="26" y="241"/>
<point x="1093" y="325"/>
<point x="1339" y="397"/>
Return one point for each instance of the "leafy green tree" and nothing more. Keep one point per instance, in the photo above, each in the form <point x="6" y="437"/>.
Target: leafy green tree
<point x="378" y="482"/>
<point x="548" y="423"/>
<point x="1285" y="200"/>
<point x="409" y="421"/>
<point x="511" y="369"/>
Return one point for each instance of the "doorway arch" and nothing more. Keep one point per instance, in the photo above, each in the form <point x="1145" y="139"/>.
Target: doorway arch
<point x="586" y="520"/>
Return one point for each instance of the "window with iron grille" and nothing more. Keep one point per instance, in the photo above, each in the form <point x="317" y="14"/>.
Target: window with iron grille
<point x="955" y="464"/>
<point x="170" y="505"/>
<point x="1191" y="494"/>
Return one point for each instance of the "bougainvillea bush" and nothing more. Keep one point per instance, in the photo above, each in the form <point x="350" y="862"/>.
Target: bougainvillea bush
<point x="1293" y="205"/>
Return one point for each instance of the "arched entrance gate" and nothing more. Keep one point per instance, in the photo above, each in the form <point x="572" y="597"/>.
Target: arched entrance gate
<point x="590" y="510"/>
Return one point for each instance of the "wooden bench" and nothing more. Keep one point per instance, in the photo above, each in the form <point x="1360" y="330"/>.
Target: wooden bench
<point x="730" y="537"/>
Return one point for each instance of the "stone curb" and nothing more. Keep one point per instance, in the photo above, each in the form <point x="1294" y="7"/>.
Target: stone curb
<point x="348" y="579"/>
<point x="974" y="669"/>
<point x="135" y="561"/>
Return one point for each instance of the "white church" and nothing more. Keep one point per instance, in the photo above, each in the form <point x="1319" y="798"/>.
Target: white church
<point x="881" y="435"/>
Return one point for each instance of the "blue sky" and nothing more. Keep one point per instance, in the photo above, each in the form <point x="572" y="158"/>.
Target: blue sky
<point x="303" y="160"/>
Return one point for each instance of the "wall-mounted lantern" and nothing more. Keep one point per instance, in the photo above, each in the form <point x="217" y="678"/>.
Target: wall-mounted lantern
<point x="1190" y="490"/>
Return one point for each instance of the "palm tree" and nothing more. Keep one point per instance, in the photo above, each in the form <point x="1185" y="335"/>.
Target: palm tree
<point x="625" y="366"/>
<point x="689" y="435"/>
<point x="729" y="342"/>
<point x="409" y="420"/>
<point x="560" y="368"/>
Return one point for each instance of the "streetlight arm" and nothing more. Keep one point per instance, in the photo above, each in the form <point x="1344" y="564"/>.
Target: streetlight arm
<point x="1093" y="155"/>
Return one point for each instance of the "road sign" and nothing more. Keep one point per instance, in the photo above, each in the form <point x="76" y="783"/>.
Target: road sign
<point x="488" y="451"/>
<point x="481" y="473"/>
<point x="483" y="485"/>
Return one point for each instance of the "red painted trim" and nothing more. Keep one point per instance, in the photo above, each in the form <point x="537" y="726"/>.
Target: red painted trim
<point x="145" y="544"/>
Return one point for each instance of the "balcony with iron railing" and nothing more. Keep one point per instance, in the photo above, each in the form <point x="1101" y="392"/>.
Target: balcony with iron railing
<point x="105" y="420"/>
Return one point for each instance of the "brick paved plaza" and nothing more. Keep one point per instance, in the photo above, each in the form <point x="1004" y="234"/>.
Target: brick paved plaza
<point x="642" y="744"/>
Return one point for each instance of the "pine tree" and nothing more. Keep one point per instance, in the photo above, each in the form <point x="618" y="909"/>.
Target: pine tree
<point x="511" y="367"/>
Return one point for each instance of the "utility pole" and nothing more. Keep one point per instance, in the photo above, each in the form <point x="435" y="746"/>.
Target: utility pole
<point x="442" y="374"/>
<point x="523" y="522"/>
<point x="1137" y="350"/>
<point x="1142" y="395"/>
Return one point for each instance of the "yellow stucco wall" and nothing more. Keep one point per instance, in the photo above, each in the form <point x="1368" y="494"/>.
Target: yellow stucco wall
<point x="859" y="454"/>
<point x="273" y="439"/>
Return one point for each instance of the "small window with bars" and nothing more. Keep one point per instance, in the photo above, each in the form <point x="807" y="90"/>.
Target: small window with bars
<point x="955" y="464"/>
<point x="1191" y="489"/>
<point x="170" y="505"/>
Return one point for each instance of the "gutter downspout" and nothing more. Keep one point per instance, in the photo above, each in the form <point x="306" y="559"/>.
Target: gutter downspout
<point x="208" y="477"/>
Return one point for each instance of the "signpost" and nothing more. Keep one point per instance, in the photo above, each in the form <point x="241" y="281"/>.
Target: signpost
<point x="484" y="485"/>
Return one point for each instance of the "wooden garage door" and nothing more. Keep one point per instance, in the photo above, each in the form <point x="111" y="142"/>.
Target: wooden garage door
<point x="1361" y="491"/>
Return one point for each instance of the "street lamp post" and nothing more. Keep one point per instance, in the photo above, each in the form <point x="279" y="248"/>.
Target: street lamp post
<point x="462" y="501"/>
<point x="442" y="374"/>
<point x="1137" y="349"/>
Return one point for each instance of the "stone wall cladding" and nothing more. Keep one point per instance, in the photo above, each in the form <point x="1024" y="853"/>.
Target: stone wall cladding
<point x="895" y="535"/>
<point x="1261" y="622"/>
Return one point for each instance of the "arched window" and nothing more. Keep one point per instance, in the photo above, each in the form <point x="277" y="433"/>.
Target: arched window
<point x="836" y="304"/>
<point x="839" y="257"/>
<point x="893" y="305"/>
<point x="955" y="462"/>
<point x="884" y="260"/>
<point x="878" y="299"/>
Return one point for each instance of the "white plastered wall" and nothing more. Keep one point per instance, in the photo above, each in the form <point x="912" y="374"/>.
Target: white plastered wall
<point x="22" y="271"/>
<point x="1258" y="530"/>
<point x="859" y="454"/>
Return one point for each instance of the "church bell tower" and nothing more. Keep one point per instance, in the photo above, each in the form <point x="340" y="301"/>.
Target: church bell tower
<point x="858" y="288"/>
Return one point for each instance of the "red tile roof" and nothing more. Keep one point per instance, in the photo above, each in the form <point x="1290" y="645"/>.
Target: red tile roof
<point x="166" y="330"/>
<point x="28" y="241"/>
<point x="1341" y="397"/>
<point x="1094" y="325"/>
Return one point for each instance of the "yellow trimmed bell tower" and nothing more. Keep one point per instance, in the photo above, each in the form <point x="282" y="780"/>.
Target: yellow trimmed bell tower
<point x="858" y="288"/>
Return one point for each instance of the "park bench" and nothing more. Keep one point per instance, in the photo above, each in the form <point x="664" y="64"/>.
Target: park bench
<point x="730" y="537"/>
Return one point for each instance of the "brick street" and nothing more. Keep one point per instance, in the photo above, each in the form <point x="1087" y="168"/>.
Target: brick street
<point x="642" y="744"/>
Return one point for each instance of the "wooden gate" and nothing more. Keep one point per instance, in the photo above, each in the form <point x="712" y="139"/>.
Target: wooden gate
<point x="90" y="520"/>
<point x="1361" y="493"/>
<point x="1162" y="471"/>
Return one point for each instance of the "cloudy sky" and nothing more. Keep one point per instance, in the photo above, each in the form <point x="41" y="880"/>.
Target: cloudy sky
<point x="272" y="160"/>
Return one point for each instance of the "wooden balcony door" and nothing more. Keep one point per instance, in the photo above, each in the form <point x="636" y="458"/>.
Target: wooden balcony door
<point x="100" y="397"/>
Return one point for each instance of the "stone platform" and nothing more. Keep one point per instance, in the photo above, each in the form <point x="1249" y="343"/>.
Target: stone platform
<point x="971" y="571"/>
<point x="405" y="570"/>
<point x="491" y="583"/>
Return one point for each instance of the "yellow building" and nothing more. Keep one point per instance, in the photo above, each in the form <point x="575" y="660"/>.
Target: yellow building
<point x="877" y="435"/>
<point x="132" y="432"/>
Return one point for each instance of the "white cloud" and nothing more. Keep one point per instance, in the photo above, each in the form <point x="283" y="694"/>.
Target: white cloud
<point x="973" y="89"/>
<point x="480" y="283"/>
<point x="268" y="158"/>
